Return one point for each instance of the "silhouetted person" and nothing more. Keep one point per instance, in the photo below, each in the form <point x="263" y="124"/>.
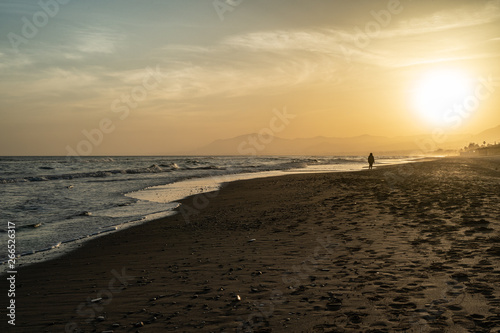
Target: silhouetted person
<point x="371" y="160"/>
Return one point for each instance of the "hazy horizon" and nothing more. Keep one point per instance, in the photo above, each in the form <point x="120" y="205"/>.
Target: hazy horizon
<point x="160" y="78"/>
<point x="414" y="145"/>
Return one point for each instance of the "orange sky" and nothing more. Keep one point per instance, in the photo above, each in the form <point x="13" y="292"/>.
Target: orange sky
<point x="152" y="77"/>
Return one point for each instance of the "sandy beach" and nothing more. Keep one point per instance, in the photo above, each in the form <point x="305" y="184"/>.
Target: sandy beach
<point x="408" y="248"/>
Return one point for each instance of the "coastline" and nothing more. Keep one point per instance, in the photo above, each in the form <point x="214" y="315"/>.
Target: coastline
<point x="162" y="199"/>
<point x="389" y="249"/>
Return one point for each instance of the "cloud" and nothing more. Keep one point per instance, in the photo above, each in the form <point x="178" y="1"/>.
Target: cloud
<point x="60" y="79"/>
<point x="18" y="7"/>
<point x="247" y="63"/>
<point x="452" y="19"/>
<point x="96" y="40"/>
<point x="231" y="72"/>
<point x="272" y="62"/>
<point x="379" y="49"/>
<point x="10" y="63"/>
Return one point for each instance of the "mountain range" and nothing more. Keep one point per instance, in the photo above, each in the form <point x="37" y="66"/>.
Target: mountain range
<point x="265" y="144"/>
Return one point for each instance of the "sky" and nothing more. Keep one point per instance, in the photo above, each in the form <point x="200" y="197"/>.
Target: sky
<point x="160" y="77"/>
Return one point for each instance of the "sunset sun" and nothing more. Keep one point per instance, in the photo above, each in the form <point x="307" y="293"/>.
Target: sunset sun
<point x="438" y="92"/>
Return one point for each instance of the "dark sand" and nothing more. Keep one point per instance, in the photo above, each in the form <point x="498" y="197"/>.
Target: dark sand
<point x="412" y="248"/>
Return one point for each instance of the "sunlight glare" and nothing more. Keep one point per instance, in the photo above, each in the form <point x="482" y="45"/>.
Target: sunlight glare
<point x="438" y="92"/>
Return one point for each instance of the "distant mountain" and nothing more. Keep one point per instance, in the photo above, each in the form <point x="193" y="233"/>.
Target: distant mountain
<point x="491" y="135"/>
<point x="255" y="144"/>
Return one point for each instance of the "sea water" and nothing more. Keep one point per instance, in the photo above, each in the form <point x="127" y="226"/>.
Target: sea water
<point x="57" y="201"/>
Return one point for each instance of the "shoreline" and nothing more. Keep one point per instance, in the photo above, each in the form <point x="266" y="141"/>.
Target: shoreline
<point x="347" y="249"/>
<point x="200" y="185"/>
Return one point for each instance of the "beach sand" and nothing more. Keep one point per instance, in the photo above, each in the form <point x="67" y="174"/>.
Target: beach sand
<point x="409" y="248"/>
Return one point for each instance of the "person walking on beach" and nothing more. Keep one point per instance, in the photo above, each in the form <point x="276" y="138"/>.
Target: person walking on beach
<point x="371" y="160"/>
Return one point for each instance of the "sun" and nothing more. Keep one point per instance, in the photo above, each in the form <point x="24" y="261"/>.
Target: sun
<point x="438" y="93"/>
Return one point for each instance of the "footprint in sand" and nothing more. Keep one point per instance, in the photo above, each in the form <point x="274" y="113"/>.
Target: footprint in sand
<point x="454" y="307"/>
<point x="399" y="306"/>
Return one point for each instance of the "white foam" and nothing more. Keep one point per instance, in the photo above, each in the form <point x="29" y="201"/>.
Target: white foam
<point x="174" y="192"/>
<point x="177" y="191"/>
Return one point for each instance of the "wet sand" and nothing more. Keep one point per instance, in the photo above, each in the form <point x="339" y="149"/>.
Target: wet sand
<point x="409" y="248"/>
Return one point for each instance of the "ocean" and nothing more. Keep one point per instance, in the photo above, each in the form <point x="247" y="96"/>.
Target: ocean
<point x="56" y="203"/>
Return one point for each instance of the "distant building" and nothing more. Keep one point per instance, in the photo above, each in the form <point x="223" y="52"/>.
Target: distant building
<point x="490" y="150"/>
